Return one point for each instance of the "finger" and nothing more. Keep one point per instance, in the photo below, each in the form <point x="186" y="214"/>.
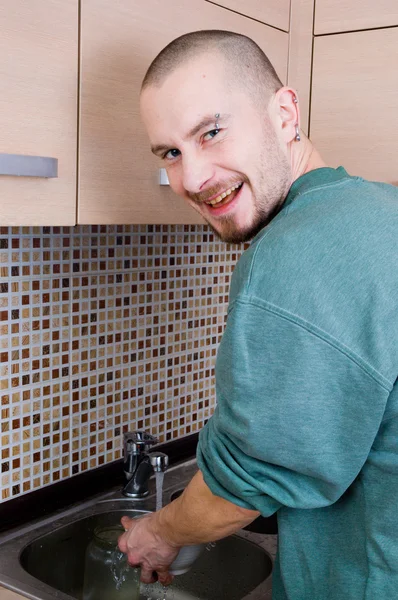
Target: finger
<point x="122" y="542"/>
<point x="165" y="578"/>
<point x="147" y="575"/>
<point x="133" y="560"/>
<point x="126" y="522"/>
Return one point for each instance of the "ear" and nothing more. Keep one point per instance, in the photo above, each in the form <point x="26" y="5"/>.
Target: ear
<point x="287" y="113"/>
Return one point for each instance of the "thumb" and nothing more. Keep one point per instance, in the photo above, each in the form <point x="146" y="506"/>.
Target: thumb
<point x="122" y="543"/>
<point x="126" y="522"/>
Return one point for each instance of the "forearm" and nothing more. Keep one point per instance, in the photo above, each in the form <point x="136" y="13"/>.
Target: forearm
<point x="199" y="516"/>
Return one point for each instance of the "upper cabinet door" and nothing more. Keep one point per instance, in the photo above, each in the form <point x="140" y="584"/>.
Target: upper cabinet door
<point x="351" y="15"/>
<point x="38" y="111"/>
<point x="271" y="12"/>
<point x="355" y="102"/>
<point x="119" y="177"/>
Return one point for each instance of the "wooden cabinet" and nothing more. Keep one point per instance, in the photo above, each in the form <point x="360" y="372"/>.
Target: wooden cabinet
<point x="118" y="180"/>
<point x="350" y="15"/>
<point x="355" y="102"/>
<point x="271" y="12"/>
<point x="6" y="594"/>
<point x="300" y="54"/>
<point x="354" y="95"/>
<point x="38" y="107"/>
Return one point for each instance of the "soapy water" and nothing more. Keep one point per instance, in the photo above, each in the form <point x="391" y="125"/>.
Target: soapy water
<point x="156" y="591"/>
<point x="153" y="591"/>
<point x="119" y="567"/>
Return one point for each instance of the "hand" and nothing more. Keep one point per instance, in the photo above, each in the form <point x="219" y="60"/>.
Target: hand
<point x="144" y="546"/>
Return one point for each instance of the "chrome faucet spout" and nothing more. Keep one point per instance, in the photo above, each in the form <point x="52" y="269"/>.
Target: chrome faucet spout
<point x="159" y="461"/>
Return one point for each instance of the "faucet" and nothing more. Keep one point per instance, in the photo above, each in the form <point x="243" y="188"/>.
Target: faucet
<point x="139" y="463"/>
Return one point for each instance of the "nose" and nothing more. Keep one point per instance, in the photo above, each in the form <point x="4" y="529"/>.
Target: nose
<point x="196" y="172"/>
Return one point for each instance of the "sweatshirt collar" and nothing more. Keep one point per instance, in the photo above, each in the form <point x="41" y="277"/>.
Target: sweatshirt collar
<point x="314" y="178"/>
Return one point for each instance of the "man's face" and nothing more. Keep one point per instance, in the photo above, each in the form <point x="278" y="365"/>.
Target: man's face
<point x="236" y="175"/>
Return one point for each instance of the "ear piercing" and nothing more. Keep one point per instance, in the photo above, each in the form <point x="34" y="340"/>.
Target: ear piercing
<point x="297" y="138"/>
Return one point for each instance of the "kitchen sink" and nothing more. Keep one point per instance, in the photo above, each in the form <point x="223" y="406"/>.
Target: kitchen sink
<point x="46" y="559"/>
<point x="231" y="569"/>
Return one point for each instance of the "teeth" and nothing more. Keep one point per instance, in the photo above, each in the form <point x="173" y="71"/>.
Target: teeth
<point x="224" y="195"/>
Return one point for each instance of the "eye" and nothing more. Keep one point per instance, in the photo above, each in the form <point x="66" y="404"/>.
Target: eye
<point x="211" y="134"/>
<point x="170" y="154"/>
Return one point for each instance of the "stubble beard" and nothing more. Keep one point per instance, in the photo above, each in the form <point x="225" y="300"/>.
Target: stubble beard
<point x="267" y="202"/>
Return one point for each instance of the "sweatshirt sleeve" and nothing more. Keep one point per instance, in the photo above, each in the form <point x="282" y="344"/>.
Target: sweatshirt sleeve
<point x="296" y="415"/>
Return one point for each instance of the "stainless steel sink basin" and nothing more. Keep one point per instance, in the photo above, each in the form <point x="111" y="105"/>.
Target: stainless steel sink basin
<point x="46" y="559"/>
<point x="231" y="569"/>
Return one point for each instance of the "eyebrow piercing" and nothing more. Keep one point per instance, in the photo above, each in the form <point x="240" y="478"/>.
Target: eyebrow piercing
<point x="217" y="115"/>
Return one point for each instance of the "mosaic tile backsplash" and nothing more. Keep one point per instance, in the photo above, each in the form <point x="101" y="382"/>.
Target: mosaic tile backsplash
<point x="104" y="329"/>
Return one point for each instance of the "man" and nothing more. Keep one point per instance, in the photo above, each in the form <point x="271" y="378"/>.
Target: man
<point x="306" y="422"/>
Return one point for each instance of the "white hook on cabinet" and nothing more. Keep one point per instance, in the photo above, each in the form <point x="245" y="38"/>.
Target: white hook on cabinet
<point x="163" y="179"/>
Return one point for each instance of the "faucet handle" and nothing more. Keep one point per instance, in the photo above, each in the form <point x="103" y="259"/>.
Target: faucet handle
<point x="137" y="442"/>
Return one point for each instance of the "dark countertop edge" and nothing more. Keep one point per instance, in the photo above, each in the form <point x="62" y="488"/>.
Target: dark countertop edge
<point x="46" y="500"/>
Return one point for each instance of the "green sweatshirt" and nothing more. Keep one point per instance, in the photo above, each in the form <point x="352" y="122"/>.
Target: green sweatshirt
<point x="306" y="421"/>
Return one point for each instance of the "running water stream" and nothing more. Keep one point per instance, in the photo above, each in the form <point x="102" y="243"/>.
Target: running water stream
<point x="159" y="477"/>
<point x="119" y="567"/>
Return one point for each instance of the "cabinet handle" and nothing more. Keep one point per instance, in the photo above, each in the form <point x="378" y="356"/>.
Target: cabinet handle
<point x="28" y="166"/>
<point x="163" y="179"/>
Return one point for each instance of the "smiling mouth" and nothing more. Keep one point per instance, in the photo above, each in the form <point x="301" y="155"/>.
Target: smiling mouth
<point x="225" y="197"/>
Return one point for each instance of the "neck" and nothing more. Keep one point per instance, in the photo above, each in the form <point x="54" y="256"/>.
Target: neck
<point x="304" y="157"/>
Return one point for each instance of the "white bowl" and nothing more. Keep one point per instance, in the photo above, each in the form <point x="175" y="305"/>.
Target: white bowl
<point x="185" y="559"/>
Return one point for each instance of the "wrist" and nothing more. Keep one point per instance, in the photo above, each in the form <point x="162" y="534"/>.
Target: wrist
<point x="163" y="527"/>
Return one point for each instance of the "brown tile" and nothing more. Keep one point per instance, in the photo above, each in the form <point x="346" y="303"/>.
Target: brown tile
<point x="135" y="293"/>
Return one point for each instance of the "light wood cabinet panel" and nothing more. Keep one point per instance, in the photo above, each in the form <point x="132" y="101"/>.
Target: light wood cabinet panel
<point x="38" y="107"/>
<point x="300" y="55"/>
<point x="351" y="15"/>
<point x="355" y="102"/>
<point x="271" y="12"/>
<point x="6" y="594"/>
<point x="118" y="174"/>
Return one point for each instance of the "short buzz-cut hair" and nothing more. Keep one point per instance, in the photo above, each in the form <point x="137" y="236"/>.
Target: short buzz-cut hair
<point x="248" y="64"/>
